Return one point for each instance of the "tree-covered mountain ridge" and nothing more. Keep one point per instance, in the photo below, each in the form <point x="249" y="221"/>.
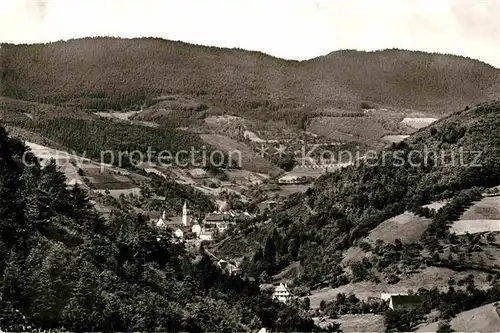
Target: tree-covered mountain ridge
<point x="112" y="73"/>
<point x="316" y="228"/>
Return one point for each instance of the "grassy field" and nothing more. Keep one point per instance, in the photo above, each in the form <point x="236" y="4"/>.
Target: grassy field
<point x="370" y="129"/>
<point x="418" y="123"/>
<point x="355" y="322"/>
<point x="361" y="322"/>
<point x="406" y="227"/>
<point x="427" y="278"/>
<point x="394" y="138"/>
<point x="482" y="319"/>
<point x="117" y="193"/>
<point x="483" y="216"/>
<point x="488" y="208"/>
<point x="286" y="190"/>
<point x="100" y="177"/>
<point x="463" y="227"/>
<point x="249" y="159"/>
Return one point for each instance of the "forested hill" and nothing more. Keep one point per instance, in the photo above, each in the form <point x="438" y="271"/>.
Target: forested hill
<point x="121" y="73"/>
<point x="63" y="268"/>
<point x="349" y="203"/>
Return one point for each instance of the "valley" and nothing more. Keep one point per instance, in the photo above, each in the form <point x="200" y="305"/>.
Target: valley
<point x="305" y="185"/>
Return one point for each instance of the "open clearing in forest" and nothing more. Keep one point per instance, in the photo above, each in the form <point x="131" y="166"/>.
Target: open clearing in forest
<point x="418" y="122"/>
<point x="482" y="319"/>
<point x="367" y="322"/>
<point x="406" y="227"/>
<point x="394" y="138"/>
<point x="101" y="176"/>
<point x="488" y="208"/>
<point x="482" y="216"/>
<point x="463" y="227"/>
<point x="240" y="153"/>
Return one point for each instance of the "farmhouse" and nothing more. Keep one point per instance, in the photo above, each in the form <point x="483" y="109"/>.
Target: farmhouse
<point x="281" y="293"/>
<point x="404" y="301"/>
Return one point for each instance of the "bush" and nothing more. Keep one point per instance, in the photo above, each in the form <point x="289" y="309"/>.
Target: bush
<point x="444" y="327"/>
<point x="365" y="106"/>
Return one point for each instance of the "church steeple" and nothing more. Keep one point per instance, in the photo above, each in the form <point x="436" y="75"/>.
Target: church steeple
<point x="185" y="218"/>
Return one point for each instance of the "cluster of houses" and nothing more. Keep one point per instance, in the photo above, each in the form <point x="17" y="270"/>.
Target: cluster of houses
<point x="203" y="229"/>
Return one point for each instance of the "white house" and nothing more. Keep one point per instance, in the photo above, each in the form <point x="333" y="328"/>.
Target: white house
<point x="179" y="233"/>
<point x="161" y="223"/>
<point x="196" y="229"/>
<point x="281" y="293"/>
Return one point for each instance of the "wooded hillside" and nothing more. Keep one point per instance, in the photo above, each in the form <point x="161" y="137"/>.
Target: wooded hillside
<point x="114" y="73"/>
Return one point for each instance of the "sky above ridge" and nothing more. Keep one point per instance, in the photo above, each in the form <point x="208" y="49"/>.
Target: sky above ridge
<point x="290" y="29"/>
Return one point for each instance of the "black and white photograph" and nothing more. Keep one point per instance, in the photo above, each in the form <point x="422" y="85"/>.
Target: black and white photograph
<point x="250" y="166"/>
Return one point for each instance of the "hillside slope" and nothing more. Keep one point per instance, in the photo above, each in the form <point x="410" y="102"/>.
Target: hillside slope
<point x="119" y="73"/>
<point x="348" y="204"/>
<point x="63" y="267"/>
<point x="485" y="318"/>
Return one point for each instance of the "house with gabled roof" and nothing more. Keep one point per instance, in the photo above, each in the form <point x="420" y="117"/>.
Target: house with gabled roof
<point x="404" y="301"/>
<point x="281" y="293"/>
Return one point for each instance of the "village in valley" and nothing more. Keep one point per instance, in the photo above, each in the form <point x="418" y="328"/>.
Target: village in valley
<point x="188" y="228"/>
<point x="292" y="166"/>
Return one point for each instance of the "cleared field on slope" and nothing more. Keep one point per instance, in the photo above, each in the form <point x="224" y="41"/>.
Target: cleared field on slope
<point x="406" y="227"/>
<point x="474" y="226"/>
<point x="482" y="319"/>
<point x="108" y="180"/>
<point x="361" y="322"/>
<point x="427" y="278"/>
<point x="68" y="163"/>
<point x="418" y="123"/>
<point x="117" y="193"/>
<point x="249" y="159"/>
<point x="245" y="177"/>
<point x="394" y="138"/>
<point x="367" y="129"/>
<point x="355" y="322"/>
<point x="488" y="208"/>
<point x="483" y="216"/>
<point x="100" y="176"/>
